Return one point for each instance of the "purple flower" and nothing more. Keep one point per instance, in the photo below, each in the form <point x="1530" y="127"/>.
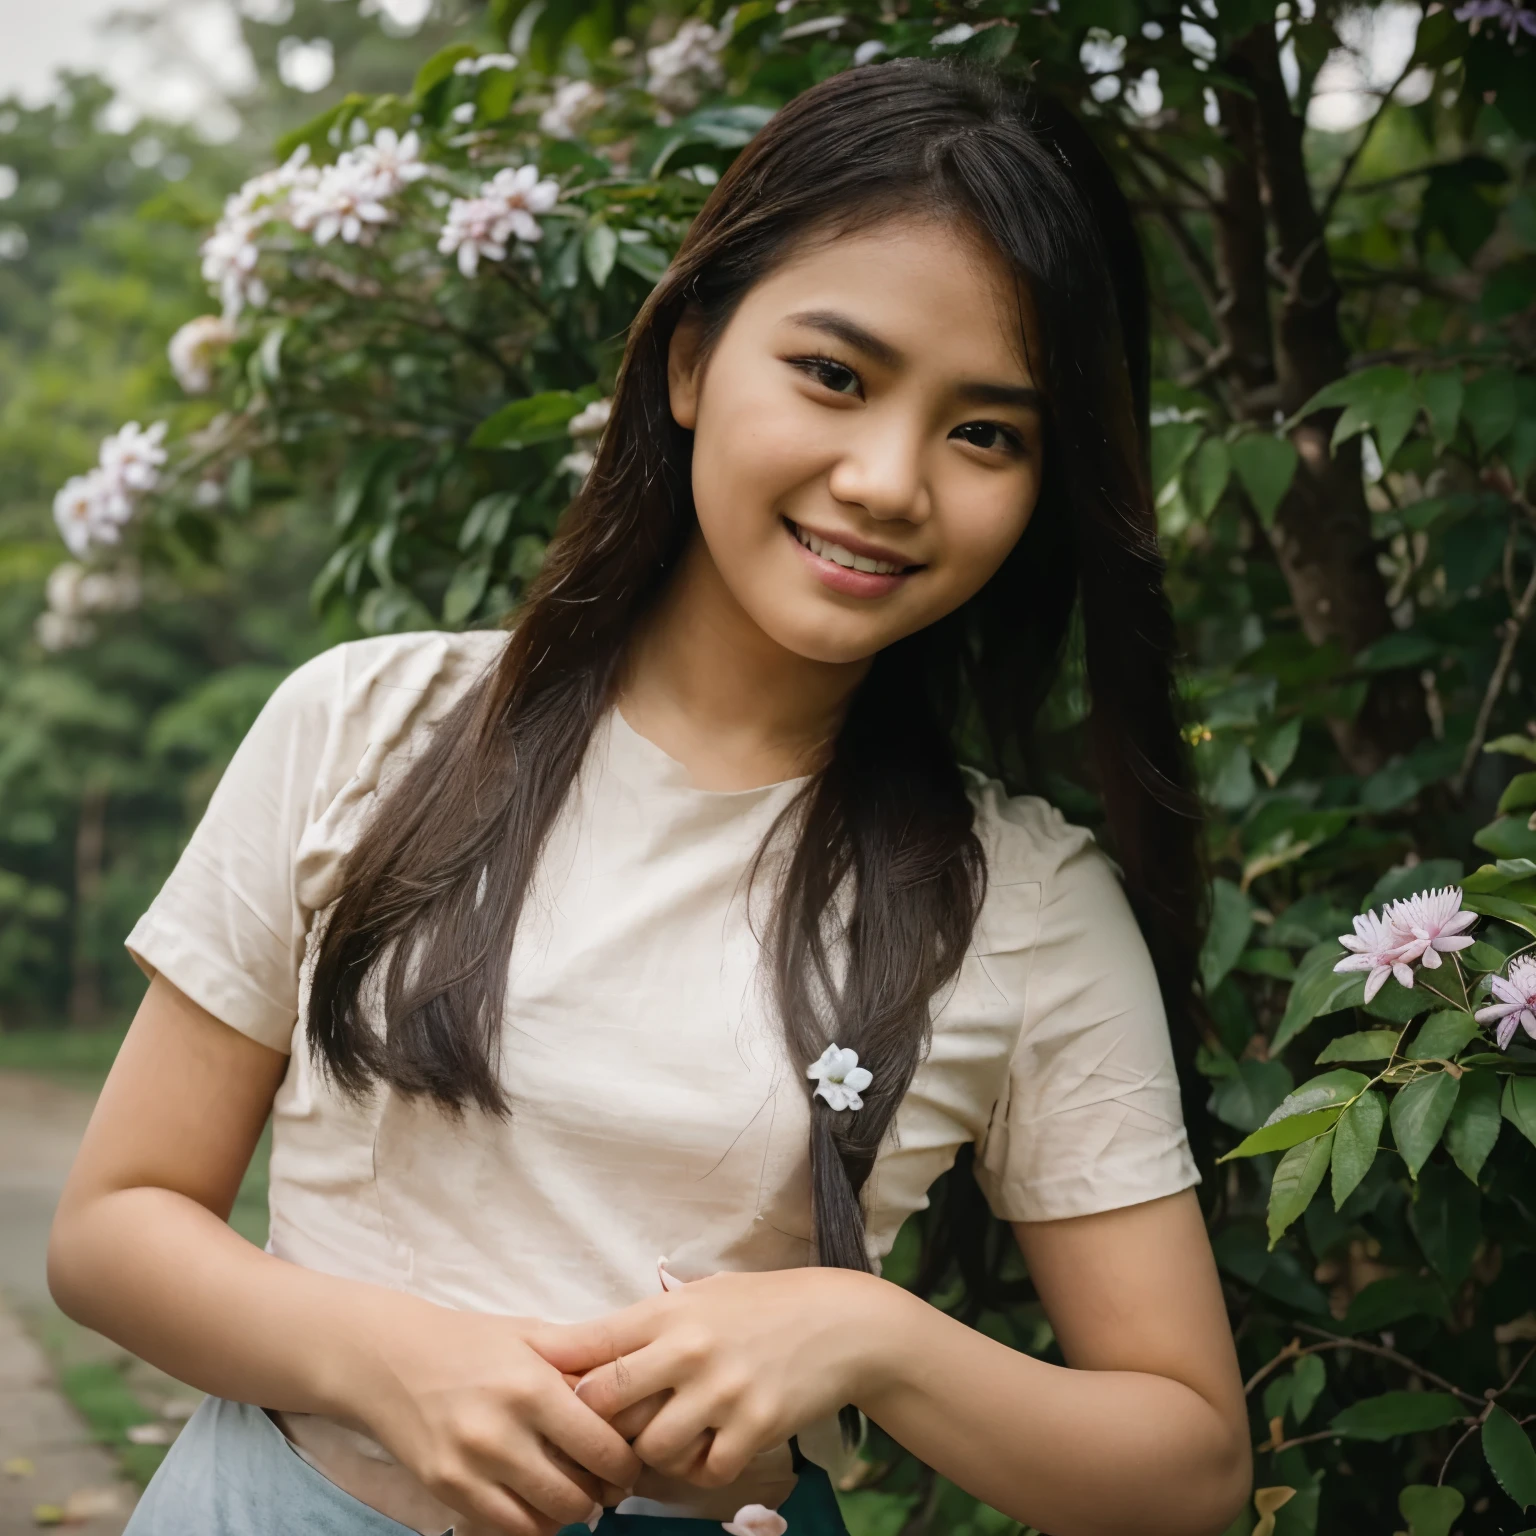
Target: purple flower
<point x="1509" y="14"/>
<point x="1435" y="921"/>
<point x="1378" y="945"/>
<point x="1516" y="1006"/>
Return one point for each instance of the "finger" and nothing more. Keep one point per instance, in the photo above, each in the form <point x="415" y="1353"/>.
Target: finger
<point x="495" y="1510"/>
<point x="630" y="1421"/>
<point x="602" y="1492"/>
<point x="611" y="1388"/>
<point x="730" y="1449"/>
<point x="678" y="1437"/>
<point x="587" y="1438"/>
<point x="578" y="1347"/>
<point x="525" y="1472"/>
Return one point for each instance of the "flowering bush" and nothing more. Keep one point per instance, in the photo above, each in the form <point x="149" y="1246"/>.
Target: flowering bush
<point x="420" y="313"/>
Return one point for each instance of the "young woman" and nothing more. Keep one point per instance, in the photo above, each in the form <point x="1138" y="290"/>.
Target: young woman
<point x="550" y="955"/>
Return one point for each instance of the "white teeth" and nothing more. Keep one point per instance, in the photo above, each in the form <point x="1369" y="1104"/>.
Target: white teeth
<point x="844" y="557"/>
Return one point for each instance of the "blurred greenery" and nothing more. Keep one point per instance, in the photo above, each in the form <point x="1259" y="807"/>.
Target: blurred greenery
<point x="1344" y="442"/>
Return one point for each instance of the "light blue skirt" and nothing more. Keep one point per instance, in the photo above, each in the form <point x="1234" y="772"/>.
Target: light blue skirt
<point x="231" y="1472"/>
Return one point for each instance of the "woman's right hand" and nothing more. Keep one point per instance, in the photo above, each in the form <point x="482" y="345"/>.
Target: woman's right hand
<point x="486" y="1423"/>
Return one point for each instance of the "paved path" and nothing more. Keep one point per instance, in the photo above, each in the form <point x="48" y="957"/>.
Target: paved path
<point x="46" y="1454"/>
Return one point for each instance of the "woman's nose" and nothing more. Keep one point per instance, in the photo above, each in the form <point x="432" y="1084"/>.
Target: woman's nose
<point x="881" y="469"/>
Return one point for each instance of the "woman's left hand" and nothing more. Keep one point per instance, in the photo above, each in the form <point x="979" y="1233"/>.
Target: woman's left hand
<point x="732" y="1364"/>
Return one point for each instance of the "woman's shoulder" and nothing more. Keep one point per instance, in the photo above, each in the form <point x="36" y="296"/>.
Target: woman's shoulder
<point x="359" y="679"/>
<point x="1025" y="837"/>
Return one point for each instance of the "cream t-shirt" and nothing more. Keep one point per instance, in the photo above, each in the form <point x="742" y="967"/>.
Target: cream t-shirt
<point x="653" y="1109"/>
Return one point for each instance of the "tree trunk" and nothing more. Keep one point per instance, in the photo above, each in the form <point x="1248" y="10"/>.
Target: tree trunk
<point x="90" y="842"/>
<point x="1322" y="530"/>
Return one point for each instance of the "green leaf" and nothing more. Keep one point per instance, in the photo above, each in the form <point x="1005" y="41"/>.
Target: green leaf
<point x="1331" y="1088"/>
<point x="1399" y="1003"/>
<point x="1501" y="907"/>
<point x="1516" y="746"/>
<point x="1443" y="1034"/>
<point x="1275" y="750"/>
<point x="1508" y="838"/>
<point x="465" y="591"/>
<point x="1231" y="923"/>
<point x="1267" y="962"/>
<point x="1519" y="1105"/>
<point x="1284" y="1133"/>
<point x="1172" y="444"/>
<point x="1490" y="407"/>
<point x="536" y="419"/>
<point x="1356" y="1140"/>
<point x="1419" y="1115"/>
<point x="1319" y="989"/>
<point x="440" y="66"/>
<point x="600" y="248"/>
<point x="1308" y="1380"/>
<point x="1430" y="1510"/>
<point x="1482" y="957"/>
<point x="1296" y="1180"/>
<point x="1519" y="794"/>
<point x="1510" y="1455"/>
<point x="1368" y="1045"/>
<point x="1384" y="1302"/>
<point x="1397" y="1413"/>
<point x="1207" y="475"/>
<point x="1245" y="1099"/>
<point x="1475" y="1123"/>
<point x="1446" y="1217"/>
<point x="1266" y="466"/>
<point x="1440" y="394"/>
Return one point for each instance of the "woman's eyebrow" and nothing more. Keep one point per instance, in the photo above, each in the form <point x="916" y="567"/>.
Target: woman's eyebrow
<point x="851" y="333"/>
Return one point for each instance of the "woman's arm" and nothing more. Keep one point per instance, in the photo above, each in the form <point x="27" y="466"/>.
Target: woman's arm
<point x="1146" y="1432"/>
<point x="141" y="1252"/>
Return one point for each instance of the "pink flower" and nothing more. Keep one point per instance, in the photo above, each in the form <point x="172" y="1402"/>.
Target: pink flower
<point x="756" y="1520"/>
<point x="1378" y="945"/>
<point x="1435" y="920"/>
<point x="1516" y="1007"/>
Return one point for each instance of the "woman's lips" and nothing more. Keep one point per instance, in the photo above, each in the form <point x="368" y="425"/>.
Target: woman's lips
<point x="841" y="578"/>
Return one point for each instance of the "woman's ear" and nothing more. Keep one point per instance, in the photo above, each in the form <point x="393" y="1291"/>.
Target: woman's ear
<point x="685" y="366"/>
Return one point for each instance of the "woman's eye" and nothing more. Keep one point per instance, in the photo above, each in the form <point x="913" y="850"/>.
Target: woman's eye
<point x="833" y="374"/>
<point x="992" y="435"/>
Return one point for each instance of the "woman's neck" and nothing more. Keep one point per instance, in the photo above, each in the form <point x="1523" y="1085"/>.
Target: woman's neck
<point x="705" y="684"/>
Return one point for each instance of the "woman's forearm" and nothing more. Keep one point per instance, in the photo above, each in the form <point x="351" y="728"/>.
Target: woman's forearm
<point x="1074" y="1452"/>
<point x="164" y="1277"/>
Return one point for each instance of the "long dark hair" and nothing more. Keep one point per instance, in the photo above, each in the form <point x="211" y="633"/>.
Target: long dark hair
<point x="436" y="884"/>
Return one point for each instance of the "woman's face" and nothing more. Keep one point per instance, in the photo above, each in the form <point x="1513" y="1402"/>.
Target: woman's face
<point x="867" y="436"/>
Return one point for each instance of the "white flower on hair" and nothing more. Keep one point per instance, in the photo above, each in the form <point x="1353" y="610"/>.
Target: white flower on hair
<point x="575" y="101"/>
<point x="842" y="1079"/>
<point x="503" y="210"/>
<point x="1516" y="1005"/>
<point x="193" y="349"/>
<point x="479" y="64"/>
<point x="685" y="64"/>
<point x="867" y="51"/>
<point x="755" y="1520"/>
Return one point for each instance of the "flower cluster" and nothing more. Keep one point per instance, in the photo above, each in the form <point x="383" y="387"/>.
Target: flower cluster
<point x="684" y="66"/>
<point x="93" y="509"/>
<point x="194" y="349"/>
<point x="575" y="101"/>
<point x="74" y="593"/>
<point x="1516" y="1005"/>
<point x="586" y="429"/>
<point x="1419" y="928"/>
<point x="503" y="210"/>
<point x="231" y="252"/>
<point x="350" y="197"/>
<point x="1509" y="14"/>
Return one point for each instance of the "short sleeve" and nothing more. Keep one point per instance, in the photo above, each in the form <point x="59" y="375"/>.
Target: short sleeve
<point x="227" y="927"/>
<point x="230" y="926"/>
<point x="1089" y="1119"/>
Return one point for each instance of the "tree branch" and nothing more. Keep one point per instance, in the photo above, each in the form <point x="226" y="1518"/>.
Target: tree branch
<point x="1353" y="156"/>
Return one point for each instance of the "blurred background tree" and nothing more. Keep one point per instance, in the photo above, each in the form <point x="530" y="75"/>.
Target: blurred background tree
<point x="1338" y="206"/>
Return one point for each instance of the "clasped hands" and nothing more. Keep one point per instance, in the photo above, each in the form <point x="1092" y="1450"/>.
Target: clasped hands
<point x="524" y="1426"/>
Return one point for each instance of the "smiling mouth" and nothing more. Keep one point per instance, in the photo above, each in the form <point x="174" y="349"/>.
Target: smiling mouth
<point x="839" y="554"/>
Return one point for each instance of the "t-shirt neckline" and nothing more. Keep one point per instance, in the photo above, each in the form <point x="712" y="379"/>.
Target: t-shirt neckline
<point x="640" y="762"/>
